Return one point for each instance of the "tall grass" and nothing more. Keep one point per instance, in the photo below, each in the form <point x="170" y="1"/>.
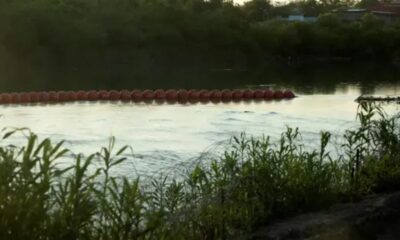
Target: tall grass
<point x="253" y="182"/>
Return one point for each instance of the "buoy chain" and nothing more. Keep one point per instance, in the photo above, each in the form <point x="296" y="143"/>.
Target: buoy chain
<point x="148" y="96"/>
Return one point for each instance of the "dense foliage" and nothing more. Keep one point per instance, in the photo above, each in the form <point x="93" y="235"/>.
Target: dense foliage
<point x="163" y="33"/>
<point x="253" y="182"/>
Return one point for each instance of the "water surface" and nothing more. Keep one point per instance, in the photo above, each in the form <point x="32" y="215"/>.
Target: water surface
<point x="164" y="136"/>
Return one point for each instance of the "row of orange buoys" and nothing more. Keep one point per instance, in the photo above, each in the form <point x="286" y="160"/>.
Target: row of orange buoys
<point x="159" y="95"/>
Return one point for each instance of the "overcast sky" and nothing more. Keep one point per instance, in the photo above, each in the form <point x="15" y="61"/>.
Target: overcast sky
<point x="239" y="1"/>
<point x="242" y="1"/>
<point x="271" y="1"/>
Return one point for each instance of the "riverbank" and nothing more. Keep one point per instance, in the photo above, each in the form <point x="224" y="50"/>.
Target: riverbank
<point x="374" y="217"/>
<point x="252" y="183"/>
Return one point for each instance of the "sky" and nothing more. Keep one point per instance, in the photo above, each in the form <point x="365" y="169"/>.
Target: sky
<point x="240" y="1"/>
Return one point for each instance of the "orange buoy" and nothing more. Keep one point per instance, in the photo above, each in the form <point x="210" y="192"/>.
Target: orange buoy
<point x="148" y="95"/>
<point x="288" y="94"/>
<point x="115" y="95"/>
<point x="268" y="94"/>
<point x="34" y="96"/>
<point x="278" y="94"/>
<point x="125" y="95"/>
<point x="82" y="95"/>
<point x="71" y="96"/>
<point x="15" y="98"/>
<point x="25" y="97"/>
<point x="53" y="96"/>
<point x="248" y="94"/>
<point x="5" y="98"/>
<point x="44" y="97"/>
<point x="183" y="96"/>
<point x="159" y="95"/>
<point x="104" y="95"/>
<point x="237" y="95"/>
<point x="171" y="95"/>
<point x="136" y="96"/>
<point x="62" y="96"/>
<point x="204" y="95"/>
<point x="259" y="94"/>
<point x="215" y="95"/>
<point x="226" y="95"/>
<point x="194" y="95"/>
<point x="93" y="95"/>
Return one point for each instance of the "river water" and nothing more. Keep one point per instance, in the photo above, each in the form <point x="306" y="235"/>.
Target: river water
<point x="165" y="136"/>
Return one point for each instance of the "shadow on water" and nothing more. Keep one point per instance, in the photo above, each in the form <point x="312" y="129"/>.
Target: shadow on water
<point x="306" y="78"/>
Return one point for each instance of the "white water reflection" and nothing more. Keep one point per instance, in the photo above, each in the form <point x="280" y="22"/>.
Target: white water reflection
<point x="163" y="136"/>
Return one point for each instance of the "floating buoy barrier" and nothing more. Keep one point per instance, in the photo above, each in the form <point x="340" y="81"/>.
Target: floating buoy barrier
<point x="125" y="95"/>
<point x="248" y="94"/>
<point x="259" y="94"/>
<point x="53" y="96"/>
<point x="14" y="98"/>
<point x="215" y="95"/>
<point x="25" y="97"/>
<point x="278" y="94"/>
<point x="237" y="95"/>
<point x="136" y="96"/>
<point x="268" y="95"/>
<point x="82" y="95"/>
<point x="62" y="96"/>
<point x="183" y="96"/>
<point x="204" y="95"/>
<point x="72" y="96"/>
<point x="148" y="95"/>
<point x="194" y="95"/>
<point x="226" y="95"/>
<point x="159" y="95"/>
<point x="171" y="95"/>
<point x="44" y="97"/>
<point x="93" y="96"/>
<point x="5" y="98"/>
<point x="104" y="95"/>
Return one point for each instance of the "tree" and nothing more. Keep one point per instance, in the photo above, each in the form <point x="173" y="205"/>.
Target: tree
<point x="367" y="3"/>
<point x="257" y="10"/>
<point x="310" y="7"/>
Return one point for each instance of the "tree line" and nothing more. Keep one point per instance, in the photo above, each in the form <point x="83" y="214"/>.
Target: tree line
<point x="164" y="33"/>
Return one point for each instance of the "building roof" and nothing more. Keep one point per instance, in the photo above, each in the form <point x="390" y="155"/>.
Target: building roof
<point x="350" y="10"/>
<point x="356" y="10"/>
<point x="296" y="17"/>
<point x="386" y="8"/>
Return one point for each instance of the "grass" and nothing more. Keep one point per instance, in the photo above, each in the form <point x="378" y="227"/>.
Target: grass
<point x="252" y="183"/>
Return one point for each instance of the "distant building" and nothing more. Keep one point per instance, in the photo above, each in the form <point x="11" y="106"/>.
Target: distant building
<point x="351" y="14"/>
<point x="301" y="18"/>
<point x="386" y="11"/>
<point x="297" y="15"/>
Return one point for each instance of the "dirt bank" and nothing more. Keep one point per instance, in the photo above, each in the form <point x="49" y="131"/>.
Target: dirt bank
<point x="375" y="217"/>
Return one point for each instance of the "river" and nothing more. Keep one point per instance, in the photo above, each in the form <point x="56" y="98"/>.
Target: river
<point x="163" y="136"/>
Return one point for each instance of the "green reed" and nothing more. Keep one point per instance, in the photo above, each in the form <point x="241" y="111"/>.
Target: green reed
<point x="251" y="183"/>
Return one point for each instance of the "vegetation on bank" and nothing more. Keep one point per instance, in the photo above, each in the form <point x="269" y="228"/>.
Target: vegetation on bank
<point x="253" y="182"/>
<point x="162" y="33"/>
